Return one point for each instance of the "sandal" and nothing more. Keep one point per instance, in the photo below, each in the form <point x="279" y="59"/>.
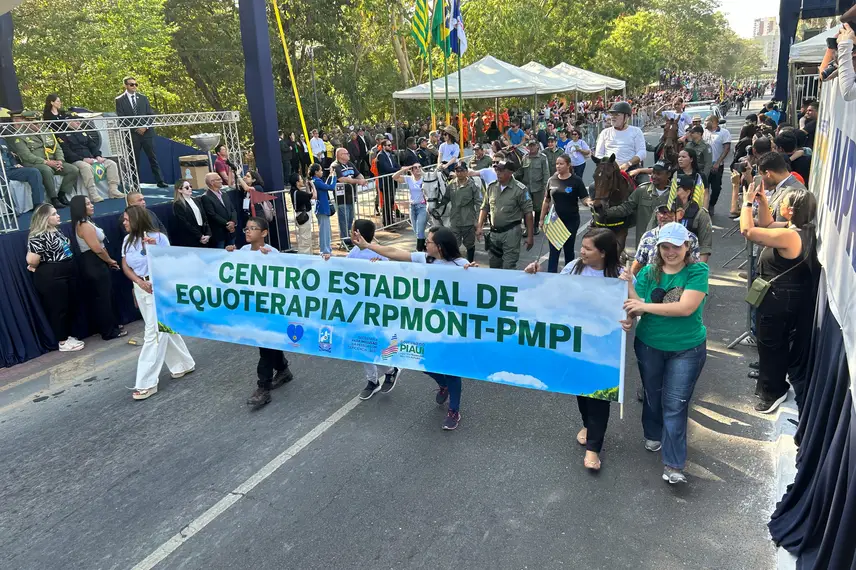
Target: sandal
<point x="591" y="464"/>
<point x="143" y="394"/>
<point x="581" y="436"/>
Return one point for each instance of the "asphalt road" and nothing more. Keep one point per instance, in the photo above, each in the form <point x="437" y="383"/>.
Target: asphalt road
<point x="192" y="479"/>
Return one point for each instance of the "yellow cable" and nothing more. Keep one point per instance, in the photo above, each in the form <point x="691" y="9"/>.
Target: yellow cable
<point x="293" y="81"/>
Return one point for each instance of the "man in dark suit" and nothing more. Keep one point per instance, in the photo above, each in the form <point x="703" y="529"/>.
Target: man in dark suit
<point x="387" y="163"/>
<point x="410" y="156"/>
<point x="221" y="213"/>
<point x="133" y="104"/>
<point x="286" y="151"/>
<point x="365" y="143"/>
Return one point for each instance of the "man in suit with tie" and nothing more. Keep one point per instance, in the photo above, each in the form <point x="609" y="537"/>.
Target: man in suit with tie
<point x="222" y="216"/>
<point x="387" y="163"/>
<point x="133" y="104"/>
<point x="410" y="156"/>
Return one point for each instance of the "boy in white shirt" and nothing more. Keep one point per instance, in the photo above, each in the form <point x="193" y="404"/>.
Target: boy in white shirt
<point x="270" y="359"/>
<point x="366" y="228"/>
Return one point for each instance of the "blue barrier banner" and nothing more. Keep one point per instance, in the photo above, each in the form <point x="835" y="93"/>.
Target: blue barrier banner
<point x="559" y="333"/>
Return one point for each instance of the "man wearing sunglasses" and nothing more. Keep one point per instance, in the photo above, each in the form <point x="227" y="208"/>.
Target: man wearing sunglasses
<point x="133" y="104"/>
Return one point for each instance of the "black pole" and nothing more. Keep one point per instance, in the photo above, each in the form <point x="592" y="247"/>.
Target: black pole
<point x="10" y="94"/>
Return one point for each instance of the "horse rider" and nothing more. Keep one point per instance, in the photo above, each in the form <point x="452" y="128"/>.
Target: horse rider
<point x="622" y="139"/>
<point x="507" y="202"/>
<point x="465" y="200"/>
<point x="552" y="152"/>
<point x="679" y="114"/>
<point x="534" y="172"/>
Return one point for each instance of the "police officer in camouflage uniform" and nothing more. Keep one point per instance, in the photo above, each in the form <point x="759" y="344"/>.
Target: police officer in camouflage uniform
<point x="552" y="152"/>
<point x="465" y="195"/>
<point x="534" y="173"/>
<point x="480" y="159"/>
<point x="507" y="201"/>
<point x="43" y="152"/>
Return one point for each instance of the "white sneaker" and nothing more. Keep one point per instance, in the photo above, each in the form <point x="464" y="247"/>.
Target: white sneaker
<point x="749" y="341"/>
<point x="71" y="345"/>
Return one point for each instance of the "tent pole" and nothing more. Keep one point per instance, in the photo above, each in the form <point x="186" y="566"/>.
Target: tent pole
<point x="496" y="109"/>
<point x="395" y="124"/>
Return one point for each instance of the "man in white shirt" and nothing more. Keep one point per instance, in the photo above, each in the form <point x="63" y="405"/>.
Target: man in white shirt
<point x="679" y="114"/>
<point x="317" y="147"/>
<point x="622" y="139"/>
<point x="719" y="140"/>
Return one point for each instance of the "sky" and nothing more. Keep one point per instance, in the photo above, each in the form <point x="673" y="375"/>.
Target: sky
<point x="741" y="14"/>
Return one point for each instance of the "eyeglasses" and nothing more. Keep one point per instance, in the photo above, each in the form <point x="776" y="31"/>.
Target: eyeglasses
<point x="187" y="187"/>
<point x="131" y="84"/>
<point x="249" y="229"/>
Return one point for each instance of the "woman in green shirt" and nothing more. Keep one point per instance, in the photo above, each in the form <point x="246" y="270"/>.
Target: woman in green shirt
<point x="670" y="343"/>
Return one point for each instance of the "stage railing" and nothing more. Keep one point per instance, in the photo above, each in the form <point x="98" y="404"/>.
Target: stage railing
<point x="117" y="143"/>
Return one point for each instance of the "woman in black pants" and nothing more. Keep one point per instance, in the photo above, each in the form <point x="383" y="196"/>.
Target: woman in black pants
<point x="95" y="265"/>
<point x="49" y="258"/>
<point x="788" y="262"/>
<point x="565" y="190"/>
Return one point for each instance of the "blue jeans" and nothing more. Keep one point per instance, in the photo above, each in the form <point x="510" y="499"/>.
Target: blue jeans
<point x="418" y="218"/>
<point x="324" y="235"/>
<point x="453" y="383"/>
<point x="669" y="379"/>
<point x="31" y="176"/>
<point x="345" y="213"/>
<point x="580" y="169"/>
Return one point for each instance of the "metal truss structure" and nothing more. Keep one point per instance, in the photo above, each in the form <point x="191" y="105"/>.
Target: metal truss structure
<point x="117" y="143"/>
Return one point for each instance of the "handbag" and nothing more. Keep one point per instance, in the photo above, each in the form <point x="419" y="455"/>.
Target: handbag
<point x="759" y="287"/>
<point x="302" y="218"/>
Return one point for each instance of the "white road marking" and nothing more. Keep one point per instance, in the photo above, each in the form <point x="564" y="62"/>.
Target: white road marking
<point x="238" y="493"/>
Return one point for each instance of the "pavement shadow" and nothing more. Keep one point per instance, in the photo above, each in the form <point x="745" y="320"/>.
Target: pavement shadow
<point x="741" y="425"/>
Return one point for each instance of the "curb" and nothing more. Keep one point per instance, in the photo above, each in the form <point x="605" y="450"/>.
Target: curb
<point x="784" y="456"/>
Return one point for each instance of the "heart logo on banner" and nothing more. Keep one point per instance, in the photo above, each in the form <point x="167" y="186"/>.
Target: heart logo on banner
<point x="295" y="332"/>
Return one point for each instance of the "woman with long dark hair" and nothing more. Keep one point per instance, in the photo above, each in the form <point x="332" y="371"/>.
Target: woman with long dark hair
<point x="49" y="258"/>
<point x="565" y="190"/>
<point x="688" y="165"/>
<point x="95" y="266"/>
<point x="53" y="111"/>
<point x="441" y="248"/>
<point x="191" y="222"/>
<point x="158" y="347"/>
<point x="670" y="343"/>
<point x="323" y="209"/>
<point x="598" y="258"/>
<point x="788" y="262"/>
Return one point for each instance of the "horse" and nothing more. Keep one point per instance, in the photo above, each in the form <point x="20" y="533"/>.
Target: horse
<point x="437" y="197"/>
<point x="670" y="146"/>
<point x="611" y="188"/>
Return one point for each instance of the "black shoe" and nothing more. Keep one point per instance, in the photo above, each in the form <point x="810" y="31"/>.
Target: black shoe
<point x="442" y="395"/>
<point x="754" y="374"/>
<point x="769" y="406"/>
<point x="710" y="211"/>
<point x="259" y="398"/>
<point x="282" y="377"/>
<point x="389" y="381"/>
<point x="63" y="198"/>
<point x="370" y="390"/>
<point x="451" y="421"/>
<point x="163" y="184"/>
<point x="755" y="365"/>
<point x="57" y="204"/>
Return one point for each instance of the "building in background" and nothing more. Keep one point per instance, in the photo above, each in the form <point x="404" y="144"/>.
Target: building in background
<point x="765" y="33"/>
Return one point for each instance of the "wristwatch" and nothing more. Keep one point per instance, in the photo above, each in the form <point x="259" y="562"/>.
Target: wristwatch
<point x="748" y="204"/>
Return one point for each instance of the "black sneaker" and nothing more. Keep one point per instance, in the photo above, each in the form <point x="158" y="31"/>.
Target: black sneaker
<point x="451" y="421"/>
<point x="259" y="398"/>
<point x="282" y="377"/>
<point x="389" y="381"/>
<point x="63" y="198"/>
<point x="370" y="390"/>
<point x="442" y="395"/>
<point x="769" y="406"/>
<point x="755" y="365"/>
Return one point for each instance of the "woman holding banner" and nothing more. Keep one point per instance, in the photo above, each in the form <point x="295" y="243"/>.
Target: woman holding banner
<point x="158" y="346"/>
<point x="671" y="343"/>
<point x="441" y="248"/>
<point x="598" y="258"/>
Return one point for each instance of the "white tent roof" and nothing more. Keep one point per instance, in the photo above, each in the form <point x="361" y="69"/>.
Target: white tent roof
<point x="813" y="49"/>
<point x="588" y="81"/>
<point x="559" y="82"/>
<point x="485" y="79"/>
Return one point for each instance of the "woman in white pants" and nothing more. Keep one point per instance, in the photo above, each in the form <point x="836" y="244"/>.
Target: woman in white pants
<point x="158" y="346"/>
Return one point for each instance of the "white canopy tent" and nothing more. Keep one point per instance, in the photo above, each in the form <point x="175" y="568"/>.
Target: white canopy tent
<point x="588" y="81"/>
<point x="7" y="5"/>
<point x="488" y="78"/>
<point x="813" y="49"/>
<point x="559" y="82"/>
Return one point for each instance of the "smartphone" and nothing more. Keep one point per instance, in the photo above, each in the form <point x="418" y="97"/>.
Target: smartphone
<point x="758" y="181"/>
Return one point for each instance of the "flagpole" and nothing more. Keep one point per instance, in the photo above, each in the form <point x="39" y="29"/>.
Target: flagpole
<point x="460" y="99"/>
<point x="446" y="79"/>
<point x="431" y="84"/>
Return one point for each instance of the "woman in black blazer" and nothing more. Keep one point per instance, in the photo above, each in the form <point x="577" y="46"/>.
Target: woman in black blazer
<point x="190" y="228"/>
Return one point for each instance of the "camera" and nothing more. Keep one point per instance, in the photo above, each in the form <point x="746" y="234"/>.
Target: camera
<point x="829" y="71"/>
<point x="740" y="167"/>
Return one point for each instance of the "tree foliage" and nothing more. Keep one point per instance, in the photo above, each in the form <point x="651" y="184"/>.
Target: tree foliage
<point x="187" y="54"/>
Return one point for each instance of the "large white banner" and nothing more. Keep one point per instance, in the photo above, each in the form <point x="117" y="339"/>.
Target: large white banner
<point x="833" y="181"/>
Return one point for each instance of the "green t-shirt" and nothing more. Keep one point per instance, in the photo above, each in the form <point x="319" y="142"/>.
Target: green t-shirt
<point x="672" y="334"/>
